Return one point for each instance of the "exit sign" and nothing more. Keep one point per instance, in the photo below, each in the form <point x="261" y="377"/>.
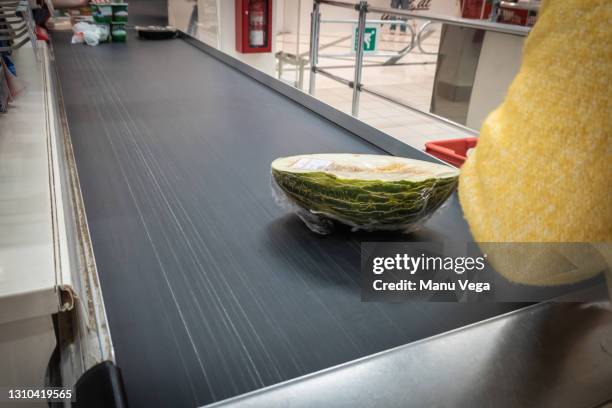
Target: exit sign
<point x="370" y="38"/>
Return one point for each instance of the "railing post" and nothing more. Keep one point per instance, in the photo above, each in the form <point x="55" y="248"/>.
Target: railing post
<point x="301" y="74"/>
<point x="315" y="22"/>
<point x="297" y="37"/>
<point x="363" y="9"/>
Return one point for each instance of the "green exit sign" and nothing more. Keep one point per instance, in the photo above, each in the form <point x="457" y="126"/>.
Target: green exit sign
<point x="370" y="38"/>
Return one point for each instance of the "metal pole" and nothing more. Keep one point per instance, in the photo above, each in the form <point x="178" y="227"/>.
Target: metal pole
<point x="297" y="39"/>
<point x="363" y="9"/>
<point x="315" y="21"/>
<point x="301" y="74"/>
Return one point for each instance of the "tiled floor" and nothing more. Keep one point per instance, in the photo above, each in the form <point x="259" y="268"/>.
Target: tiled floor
<point x="410" y="81"/>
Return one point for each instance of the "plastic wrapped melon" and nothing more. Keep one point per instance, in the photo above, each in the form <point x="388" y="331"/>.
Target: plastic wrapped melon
<point x="366" y="192"/>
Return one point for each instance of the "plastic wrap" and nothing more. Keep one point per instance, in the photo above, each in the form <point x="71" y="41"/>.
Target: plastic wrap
<point x="324" y="223"/>
<point x="91" y="34"/>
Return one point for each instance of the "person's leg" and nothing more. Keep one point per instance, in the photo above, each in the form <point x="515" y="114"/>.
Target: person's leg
<point x="404" y="5"/>
<point x="394" y="4"/>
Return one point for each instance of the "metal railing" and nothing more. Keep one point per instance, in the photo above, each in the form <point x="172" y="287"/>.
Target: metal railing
<point x="399" y="54"/>
<point x="301" y="60"/>
<point x="363" y="8"/>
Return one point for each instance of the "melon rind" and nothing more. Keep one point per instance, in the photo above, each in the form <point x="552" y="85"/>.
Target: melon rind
<point x="366" y="191"/>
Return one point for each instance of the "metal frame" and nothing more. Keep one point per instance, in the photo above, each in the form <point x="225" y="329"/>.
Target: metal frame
<point x="300" y="60"/>
<point x="499" y="361"/>
<point x="315" y="22"/>
<point x="84" y="334"/>
<point x="461" y="22"/>
<point x="363" y="8"/>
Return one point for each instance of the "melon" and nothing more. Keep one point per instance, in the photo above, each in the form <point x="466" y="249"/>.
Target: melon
<point x="371" y="192"/>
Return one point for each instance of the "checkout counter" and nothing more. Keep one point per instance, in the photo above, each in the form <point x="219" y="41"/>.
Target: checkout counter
<point x="212" y="292"/>
<point x="204" y="292"/>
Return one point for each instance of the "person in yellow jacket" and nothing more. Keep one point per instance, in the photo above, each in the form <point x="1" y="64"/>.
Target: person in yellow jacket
<point x="542" y="170"/>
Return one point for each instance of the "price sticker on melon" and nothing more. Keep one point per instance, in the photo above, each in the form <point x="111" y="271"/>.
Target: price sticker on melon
<point x="311" y="164"/>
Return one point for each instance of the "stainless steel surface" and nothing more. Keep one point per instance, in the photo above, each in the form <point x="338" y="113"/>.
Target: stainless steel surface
<point x="350" y="55"/>
<point x="521" y="6"/>
<point x="342" y="4"/>
<point x="553" y="355"/>
<point x="330" y="67"/>
<point x="300" y="60"/>
<point x="363" y="7"/>
<point x="299" y="74"/>
<point x="359" y="57"/>
<point x="461" y="22"/>
<point x="337" y="78"/>
<point x="456" y="21"/>
<point x="353" y="21"/>
<point x="419" y="38"/>
<point x="315" y="22"/>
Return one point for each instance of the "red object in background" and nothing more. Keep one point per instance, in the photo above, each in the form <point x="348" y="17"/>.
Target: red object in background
<point x="41" y="34"/>
<point x="253" y="26"/>
<point x="453" y="151"/>
<point x="518" y="13"/>
<point x="474" y="9"/>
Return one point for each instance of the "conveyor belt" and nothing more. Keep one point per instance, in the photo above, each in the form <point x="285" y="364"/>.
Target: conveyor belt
<point x="211" y="290"/>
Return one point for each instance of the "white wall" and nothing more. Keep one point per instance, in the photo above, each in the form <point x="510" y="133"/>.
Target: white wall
<point x="179" y="12"/>
<point x="216" y="27"/>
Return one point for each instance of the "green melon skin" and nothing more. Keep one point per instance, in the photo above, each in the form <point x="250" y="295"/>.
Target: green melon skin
<point x="371" y="204"/>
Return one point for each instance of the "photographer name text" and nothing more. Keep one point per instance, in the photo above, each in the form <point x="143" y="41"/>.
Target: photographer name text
<point x="412" y="265"/>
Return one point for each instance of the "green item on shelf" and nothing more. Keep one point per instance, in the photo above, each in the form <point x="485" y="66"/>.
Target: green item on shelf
<point x="120" y="12"/>
<point x="102" y="13"/>
<point x="118" y="32"/>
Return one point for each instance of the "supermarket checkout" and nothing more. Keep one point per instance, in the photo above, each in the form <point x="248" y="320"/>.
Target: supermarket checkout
<point x="167" y="279"/>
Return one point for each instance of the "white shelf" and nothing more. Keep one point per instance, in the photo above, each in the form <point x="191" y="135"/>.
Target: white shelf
<point x="28" y="275"/>
<point x="46" y="260"/>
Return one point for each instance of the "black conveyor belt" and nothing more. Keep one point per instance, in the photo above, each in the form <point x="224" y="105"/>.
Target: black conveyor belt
<point x="211" y="290"/>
